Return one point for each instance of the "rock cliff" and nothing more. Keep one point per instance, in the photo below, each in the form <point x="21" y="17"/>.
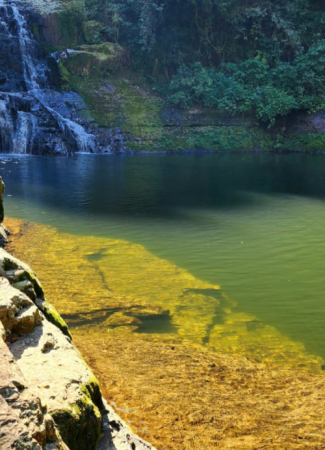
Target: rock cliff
<point x="49" y="397"/>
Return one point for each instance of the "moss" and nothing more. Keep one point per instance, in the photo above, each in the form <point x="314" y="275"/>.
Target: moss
<point x="92" y="390"/>
<point x="114" y="101"/>
<point x="80" y="425"/>
<point x="301" y="142"/>
<point x="70" y="22"/>
<point x="64" y="77"/>
<point x="53" y="316"/>
<point x="36" y="32"/>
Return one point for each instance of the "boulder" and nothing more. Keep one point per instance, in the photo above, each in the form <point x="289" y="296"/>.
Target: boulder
<point x="21" y="276"/>
<point x="24" y="421"/>
<point x="18" y="313"/>
<point x="64" y="382"/>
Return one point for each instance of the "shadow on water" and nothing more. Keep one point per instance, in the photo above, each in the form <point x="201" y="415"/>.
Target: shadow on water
<point x="157" y="186"/>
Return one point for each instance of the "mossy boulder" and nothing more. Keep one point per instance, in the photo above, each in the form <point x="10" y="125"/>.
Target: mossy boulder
<point x="93" y="60"/>
<point x="53" y="316"/>
<point x="21" y="276"/>
<point x="80" y="416"/>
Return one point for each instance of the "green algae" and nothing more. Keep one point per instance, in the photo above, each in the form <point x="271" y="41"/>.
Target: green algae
<point x="53" y="316"/>
<point x="119" y="298"/>
<point x="182" y="388"/>
<point x="80" y="425"/>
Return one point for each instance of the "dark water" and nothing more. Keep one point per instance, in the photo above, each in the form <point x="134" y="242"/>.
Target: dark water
<point x="252" y="223"/>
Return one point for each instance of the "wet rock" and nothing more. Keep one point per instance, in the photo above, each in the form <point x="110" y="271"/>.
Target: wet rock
<point x="117" y="435"/>
<point x="34" y="119"/>
<point x="3" y="77"/>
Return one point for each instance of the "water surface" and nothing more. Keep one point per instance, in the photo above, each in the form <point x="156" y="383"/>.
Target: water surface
<point x="253" y="224"/>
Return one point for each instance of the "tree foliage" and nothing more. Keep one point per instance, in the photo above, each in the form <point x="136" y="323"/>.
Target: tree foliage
<point x="240" y="56"/>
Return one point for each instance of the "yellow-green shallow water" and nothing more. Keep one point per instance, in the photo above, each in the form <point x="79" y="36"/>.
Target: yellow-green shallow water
<point x="141" y="255"/>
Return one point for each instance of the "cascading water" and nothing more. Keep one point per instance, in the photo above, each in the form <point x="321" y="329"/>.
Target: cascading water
<point x="31" y="76"/>
<point x="28" y="124"/>
<point x="6" y="127"/>
<point x="25" y="135"/>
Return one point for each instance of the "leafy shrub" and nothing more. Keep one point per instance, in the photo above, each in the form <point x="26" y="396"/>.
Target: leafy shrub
<point x="253" y="87"/>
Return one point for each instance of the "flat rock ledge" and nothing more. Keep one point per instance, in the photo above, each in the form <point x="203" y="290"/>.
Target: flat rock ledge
<point x="49" y="397"/>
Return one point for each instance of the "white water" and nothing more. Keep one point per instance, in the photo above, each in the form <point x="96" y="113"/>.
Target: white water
<point x="6" y="126"/>
<point x="18" y="135"/>
<point x="25" y="132"/>
<point x="26" y="44"/>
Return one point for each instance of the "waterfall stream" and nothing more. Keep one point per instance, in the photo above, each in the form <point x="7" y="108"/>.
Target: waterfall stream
<point x="28" y="123"/>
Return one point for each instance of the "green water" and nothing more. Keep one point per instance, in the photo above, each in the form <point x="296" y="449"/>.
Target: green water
<point x="253" y="224"/>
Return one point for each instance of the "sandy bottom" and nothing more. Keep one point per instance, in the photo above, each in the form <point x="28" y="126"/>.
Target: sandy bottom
<point x="213" y="377"/>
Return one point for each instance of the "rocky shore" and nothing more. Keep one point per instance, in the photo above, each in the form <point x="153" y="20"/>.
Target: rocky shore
<point x="49" y="397"/>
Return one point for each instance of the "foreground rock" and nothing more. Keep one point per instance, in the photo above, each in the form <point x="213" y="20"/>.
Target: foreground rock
<point x="62" y="392"/>
<point x="24" y="419"/>
<point x="49" y="397"/>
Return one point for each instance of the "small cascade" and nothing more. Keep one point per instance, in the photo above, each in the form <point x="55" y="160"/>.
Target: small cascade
<point x="6" y="128"/>
<point x="25" y="132"/>
<point x="26" y="44"/>
<point x="28" y="124"/>
<point x="16" y="135"/>
<point x="74" y="132"/>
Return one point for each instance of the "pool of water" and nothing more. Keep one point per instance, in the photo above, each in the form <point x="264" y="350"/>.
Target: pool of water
<point x="253" y="224"/>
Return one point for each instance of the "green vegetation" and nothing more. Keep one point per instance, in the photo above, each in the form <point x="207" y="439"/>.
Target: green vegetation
<point x="239" y="58"/>
<point x="139" y="62"/>
<point x="80" y="425"/>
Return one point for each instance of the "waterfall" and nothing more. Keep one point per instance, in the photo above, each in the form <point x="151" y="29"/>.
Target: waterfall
<point x="26" y="44"/>
<point x="86" y="142"/>
<point x="17" y="136"/>
<point x="25" y="132"/>
<point x="6" y="128"/>
<point x="25" y="115"/>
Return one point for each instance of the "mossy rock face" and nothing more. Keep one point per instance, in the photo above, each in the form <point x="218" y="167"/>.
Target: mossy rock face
<point x="122" y="100"/>
<point x="80" y="425"/>
<point x="62" y="25"/>
<point x="93" y="60"/>
<point x="53" y="316"/>
<point x="23" y="278"/>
